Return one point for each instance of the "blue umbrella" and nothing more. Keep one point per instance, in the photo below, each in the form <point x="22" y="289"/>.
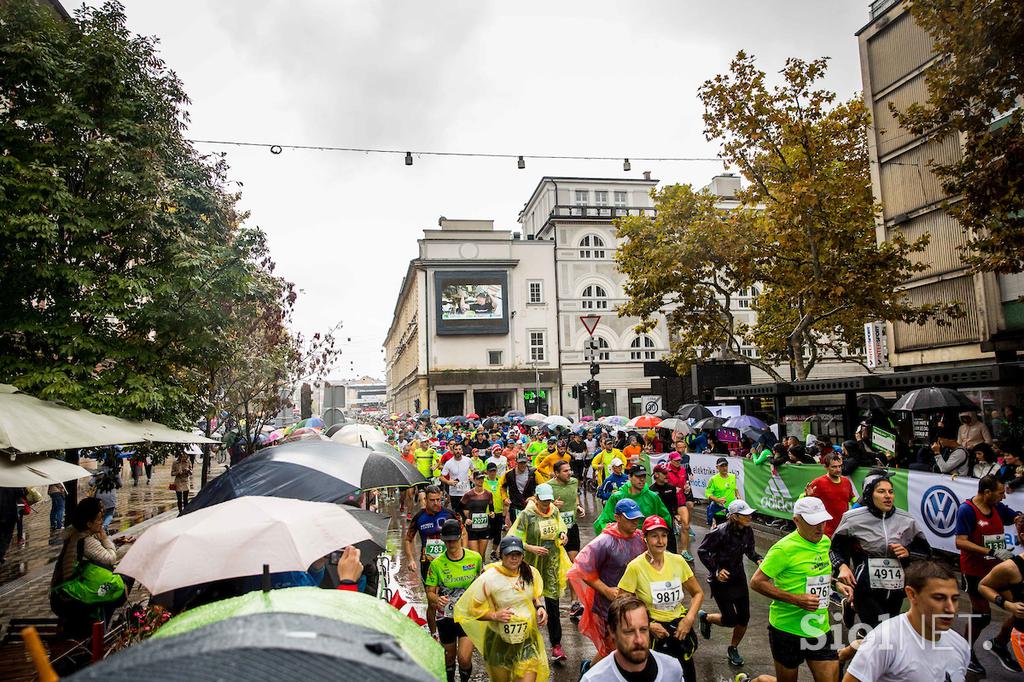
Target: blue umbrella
<point x="745" y="421"/>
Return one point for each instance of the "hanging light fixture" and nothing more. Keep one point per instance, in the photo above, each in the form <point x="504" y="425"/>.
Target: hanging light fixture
<point x="625" y="164"/>
<point x="521" y="163"/>
<point x="408" y="158"/>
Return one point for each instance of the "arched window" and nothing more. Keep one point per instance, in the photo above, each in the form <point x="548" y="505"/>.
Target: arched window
<point x="642" y="348"/>
<point x="592" y="246"/>
<point x="603" y="349"/>
<point x="595" y="297"/>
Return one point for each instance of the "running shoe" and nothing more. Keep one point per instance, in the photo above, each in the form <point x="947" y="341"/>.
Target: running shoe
<point x="575" y="612"/>
<point x="742" y="677"/>
<point x="1003" y="653"/>
<point x="734" y="656"/>
<point x="584" y="667"/>
<point x="686" y="555"/>
<point x="705" y="624"/>
<point x="976" y="667"/>
<point x="692" y="534"/>
<point x="557" y="654"/>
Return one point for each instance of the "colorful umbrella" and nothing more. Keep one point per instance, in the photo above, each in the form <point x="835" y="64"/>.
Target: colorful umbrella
<point x="347" y="607"/>
<point x="644" y="422"/>
<point x="472" y="415"/>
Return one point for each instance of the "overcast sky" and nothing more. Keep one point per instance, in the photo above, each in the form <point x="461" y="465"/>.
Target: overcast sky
<point x="599" y="78"/>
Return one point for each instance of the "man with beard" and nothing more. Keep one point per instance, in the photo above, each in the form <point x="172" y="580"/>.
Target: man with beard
<point x="632" y="660"/>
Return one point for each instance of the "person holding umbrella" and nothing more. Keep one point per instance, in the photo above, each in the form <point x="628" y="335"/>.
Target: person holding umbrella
<point x="502" y="612"/>
<point x="181" y="470"/>
<point x="448" y="578"/>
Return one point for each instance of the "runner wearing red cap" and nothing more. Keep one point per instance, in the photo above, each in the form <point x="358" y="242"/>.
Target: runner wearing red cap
<point x="659" y="579"/>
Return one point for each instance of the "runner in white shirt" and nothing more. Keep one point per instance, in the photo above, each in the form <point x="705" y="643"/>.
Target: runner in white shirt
<point x="633" y="660"/>
<point x="498" y="459"/>
<point x="455" y="474"/>
<point x="917" y="646"/>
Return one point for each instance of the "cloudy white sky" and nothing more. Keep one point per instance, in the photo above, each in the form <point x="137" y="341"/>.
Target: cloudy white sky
<point x="574" y="78"/>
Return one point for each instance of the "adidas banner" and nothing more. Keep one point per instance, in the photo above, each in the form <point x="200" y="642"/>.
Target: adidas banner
<point x="931" y="498"/>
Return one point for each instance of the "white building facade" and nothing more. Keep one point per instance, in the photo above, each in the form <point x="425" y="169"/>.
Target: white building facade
<point x="576" y="214"/>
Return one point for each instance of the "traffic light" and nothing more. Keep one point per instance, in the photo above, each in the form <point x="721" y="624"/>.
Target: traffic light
<point x="594" y="392"/>
<point x="594" y="369"/>
<point x="574" y="391"/>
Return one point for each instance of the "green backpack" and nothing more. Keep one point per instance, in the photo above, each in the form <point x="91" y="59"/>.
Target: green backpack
<point x="91" y="583"/>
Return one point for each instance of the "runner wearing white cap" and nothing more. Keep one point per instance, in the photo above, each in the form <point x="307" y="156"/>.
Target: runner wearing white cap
<point x="796" y="574"/>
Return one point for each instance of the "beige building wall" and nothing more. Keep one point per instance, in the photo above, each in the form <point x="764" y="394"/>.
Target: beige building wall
<point x="895" y="55"/>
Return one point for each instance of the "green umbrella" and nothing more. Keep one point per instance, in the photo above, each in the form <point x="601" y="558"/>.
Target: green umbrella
<point x="350" y="607"/>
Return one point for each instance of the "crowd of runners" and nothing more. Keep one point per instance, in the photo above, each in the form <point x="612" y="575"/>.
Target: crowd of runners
<point x="497" y="537"/>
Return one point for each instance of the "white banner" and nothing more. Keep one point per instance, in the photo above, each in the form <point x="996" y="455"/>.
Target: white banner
<point x="702" y="467"/>
<point x="933" y="500"/>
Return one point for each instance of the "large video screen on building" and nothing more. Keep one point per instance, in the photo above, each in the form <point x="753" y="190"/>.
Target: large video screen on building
<point x="471" y="301"/>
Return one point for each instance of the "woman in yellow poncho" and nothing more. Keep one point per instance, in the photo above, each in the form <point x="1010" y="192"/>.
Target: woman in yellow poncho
<point x="502" y="612"/>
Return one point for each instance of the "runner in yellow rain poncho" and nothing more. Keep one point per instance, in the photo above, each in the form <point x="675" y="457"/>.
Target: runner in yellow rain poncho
<point x="544" y="535"/>
<point x="502" y="612"/>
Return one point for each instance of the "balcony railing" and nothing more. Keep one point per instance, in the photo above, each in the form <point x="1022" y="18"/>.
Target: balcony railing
<point x="601" y="212"/>
<point x="878" y="6"/>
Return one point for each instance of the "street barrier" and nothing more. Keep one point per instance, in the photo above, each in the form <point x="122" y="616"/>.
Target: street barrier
<point x="932" y="499"/>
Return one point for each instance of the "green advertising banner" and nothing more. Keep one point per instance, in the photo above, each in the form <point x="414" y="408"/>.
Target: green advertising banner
<point x="774" y="494"/>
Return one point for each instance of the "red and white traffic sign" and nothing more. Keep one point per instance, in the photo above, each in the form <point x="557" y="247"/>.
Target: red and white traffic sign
<point x="590" y="322"/>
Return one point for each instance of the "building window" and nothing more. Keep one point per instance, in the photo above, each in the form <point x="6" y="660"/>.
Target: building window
<point x="536" y="291"/>
<point x="620" y="199"/>
<point x="494" y="357"/>
<point x="538" y="347"/>
<point x="601" y="197"/>
<point x="591" y="246"/>
<point x="603" y="349"/>
<point x="595" y="297"/>
<point x="582" y="197"/>
<point x="642" y="348"/>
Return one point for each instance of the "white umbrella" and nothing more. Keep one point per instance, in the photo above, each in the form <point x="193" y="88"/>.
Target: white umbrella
<point x="234" y="539"/>
<point x="558" y="420"/>
<point x="676" y="425"/>
<point x="28" y="424"/>
<point x="536" y="415"/>
<point x="34" y="470"/>
<point x="359" y="435"/>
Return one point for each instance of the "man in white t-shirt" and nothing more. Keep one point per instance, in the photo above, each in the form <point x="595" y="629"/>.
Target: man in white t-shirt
<point x="455" y="474"/>
<point x="917" y="646"/>
<point x="499" y="460"/>
<point x="633" y="660"/>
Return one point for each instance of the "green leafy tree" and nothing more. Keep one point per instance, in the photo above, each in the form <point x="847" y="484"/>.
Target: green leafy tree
<point x="975" y="90"/>
<point x="122" y="251"/>
<point x="803" y="233"/>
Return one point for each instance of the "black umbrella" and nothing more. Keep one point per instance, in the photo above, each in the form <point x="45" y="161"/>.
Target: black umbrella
<point x="533" y="422"/>
<point x="694" y="411"/>
<point x="458" y="420"/>
<point x="709" y="423"/>
<point x="871" y="401"/>
<point x="489" y="423"/>
<point x="933" y="399"/>
<point x="317" y="471"/>
<point x="515" y="414"/>
<point x="263" y="646"/>
<point x="333" y="429"/>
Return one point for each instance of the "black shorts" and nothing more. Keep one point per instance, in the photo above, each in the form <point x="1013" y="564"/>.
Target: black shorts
<point x="482" y="534"/>
<point x="457" y="506"/>
<point x="497" y="525"/>
<point x="424" y="569"/>
<point x="572" y="542"/>
<point x="791" y="650"/>
<point x="448" y="631"/>
<point x="969" y="584"/>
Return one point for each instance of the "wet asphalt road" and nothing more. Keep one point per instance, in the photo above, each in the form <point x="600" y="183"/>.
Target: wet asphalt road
<point x="710" y="659"/>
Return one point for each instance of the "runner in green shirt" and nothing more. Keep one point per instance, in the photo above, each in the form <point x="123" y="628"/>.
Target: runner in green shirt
<point x="796" y="574"/>
<point x="448" y="577"/>
<point x="493" y="483"/>
<point x="721" y="491"/>
<point x="637" y="490"/>
<point x="566" y="490"/>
